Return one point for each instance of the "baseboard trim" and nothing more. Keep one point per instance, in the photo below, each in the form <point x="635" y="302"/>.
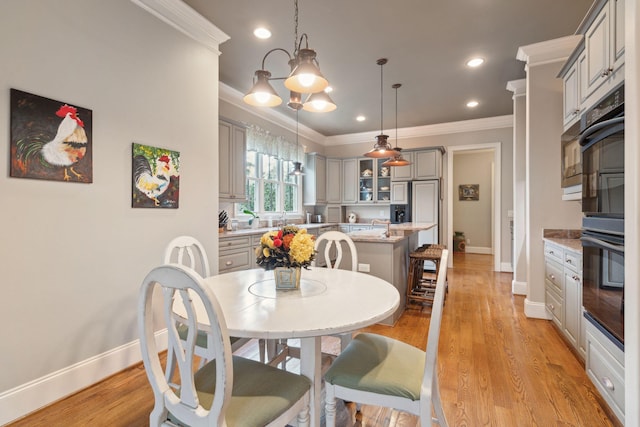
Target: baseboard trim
<point x="478" y="250"/>
<point x="31" y="396"/>
<point x="518" y="288"/>
<point x="506" y="267"/>
<point x="535" y="310"/>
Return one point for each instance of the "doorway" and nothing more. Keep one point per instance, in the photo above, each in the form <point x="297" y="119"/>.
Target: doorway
<point x="493" y="192"/>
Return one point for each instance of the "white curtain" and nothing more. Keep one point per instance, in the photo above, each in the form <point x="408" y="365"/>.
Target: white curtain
<point x="265" y="142"/>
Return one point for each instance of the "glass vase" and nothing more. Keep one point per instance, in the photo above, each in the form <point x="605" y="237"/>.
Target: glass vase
<point x="287" y="277"/>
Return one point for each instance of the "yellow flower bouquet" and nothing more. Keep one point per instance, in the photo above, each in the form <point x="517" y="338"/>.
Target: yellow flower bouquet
<point x="289" y="247"/>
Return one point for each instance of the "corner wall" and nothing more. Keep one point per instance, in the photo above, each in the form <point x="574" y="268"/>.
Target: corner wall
<point x="74" y="255"/>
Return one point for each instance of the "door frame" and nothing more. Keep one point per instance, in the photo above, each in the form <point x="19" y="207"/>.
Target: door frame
<point x="496" y="181"/>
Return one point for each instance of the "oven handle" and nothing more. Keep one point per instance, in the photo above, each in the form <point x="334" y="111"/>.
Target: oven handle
<point x="606" y="245"/>
<point x="595" y="128"/>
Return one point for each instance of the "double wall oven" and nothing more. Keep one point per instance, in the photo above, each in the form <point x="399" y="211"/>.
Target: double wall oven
<point x="602" y="157"/>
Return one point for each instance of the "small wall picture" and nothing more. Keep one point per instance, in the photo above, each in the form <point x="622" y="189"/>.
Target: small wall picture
<point x="156" y="177"/>
<point x="469" y="192"/>
<point x="50" y="139"/>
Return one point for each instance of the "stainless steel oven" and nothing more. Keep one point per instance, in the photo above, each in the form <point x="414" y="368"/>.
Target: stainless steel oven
<point x="603" y="275"/>
<point x="602" y="147"/>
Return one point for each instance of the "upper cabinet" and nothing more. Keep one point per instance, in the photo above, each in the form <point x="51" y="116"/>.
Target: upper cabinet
<point x="427" y="164"/>
<point x="350" y="187"/>
<point x="232" y="145"/>
<point x="315" y="179"/>
<point x="403" y="173"/>
<point x="334" y="181"/>
<point x="597" y="66"/>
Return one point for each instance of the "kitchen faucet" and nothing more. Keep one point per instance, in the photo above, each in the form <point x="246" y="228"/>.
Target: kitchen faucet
<point x="382" y="221"/>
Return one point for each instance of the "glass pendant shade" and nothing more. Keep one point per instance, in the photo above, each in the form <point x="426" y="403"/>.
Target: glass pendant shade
<point x="297" y="169"/>
<point x="262" y="93"/>
<point x="319" y="102"/>
<point x="306" y="76"/>
<point x="382" y="149"/>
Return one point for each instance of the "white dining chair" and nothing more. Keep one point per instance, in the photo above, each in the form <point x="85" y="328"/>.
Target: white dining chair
<point x="188" y="251"/>
<point x="382" y="371"/>
<point x="330" y="245"/>
<point x="227" y="391"/>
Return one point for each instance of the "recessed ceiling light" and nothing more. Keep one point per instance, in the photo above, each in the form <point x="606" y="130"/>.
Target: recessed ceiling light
<point x="361" y="118"/>
<point x="475" y="62"/>
<point x="472" y="104"/>
<point x="262" y="33"/>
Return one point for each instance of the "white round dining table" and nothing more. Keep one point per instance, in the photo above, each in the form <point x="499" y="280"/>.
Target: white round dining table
<point x="329" y="301"/>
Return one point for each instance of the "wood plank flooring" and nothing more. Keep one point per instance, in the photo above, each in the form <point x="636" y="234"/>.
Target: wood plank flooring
<point x="497" y="367"/>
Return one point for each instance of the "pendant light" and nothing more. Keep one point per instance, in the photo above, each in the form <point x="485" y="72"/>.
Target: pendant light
<point x="297" y="166"/>
<point x="305" y="77"/>
<point x="381" y="149"/>
<point x="397" y="159"/>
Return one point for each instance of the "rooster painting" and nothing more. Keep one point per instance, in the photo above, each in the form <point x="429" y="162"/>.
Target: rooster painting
<point x="155" y="177"/>
<point x="49" y="140"/>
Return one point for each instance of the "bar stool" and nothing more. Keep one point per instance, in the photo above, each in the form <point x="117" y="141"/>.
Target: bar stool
<point x="421" y="289"/>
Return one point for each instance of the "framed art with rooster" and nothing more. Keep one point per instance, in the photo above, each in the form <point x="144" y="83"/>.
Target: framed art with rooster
<point x="155" y="178"/>
<point x="50" y="139"/>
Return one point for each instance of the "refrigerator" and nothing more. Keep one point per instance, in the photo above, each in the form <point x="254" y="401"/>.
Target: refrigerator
<point x="426" y="207"/>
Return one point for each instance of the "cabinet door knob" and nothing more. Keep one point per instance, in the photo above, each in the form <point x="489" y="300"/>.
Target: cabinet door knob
<point x="228" y="263"/>
<point x="552" y="277"/>
<point x="606" y="72"/>
<point x="608" y="384"/>
<point x="551" y="306"/>
<point x="576" y="278"/>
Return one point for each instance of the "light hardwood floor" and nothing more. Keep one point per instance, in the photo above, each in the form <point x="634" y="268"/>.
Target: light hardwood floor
<point x="497" y="368"/>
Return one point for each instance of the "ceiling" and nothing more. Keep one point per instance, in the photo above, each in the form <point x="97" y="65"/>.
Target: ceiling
<point x="426" y="42"/>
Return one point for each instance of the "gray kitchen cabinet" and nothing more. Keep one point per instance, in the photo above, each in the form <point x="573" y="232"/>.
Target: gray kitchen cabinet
<point x="232" y="147"/>
<point x="427" y="164"/>
<point x="571" y="96"/>
<point x="315" y="180"/>
<point x="604" y="49"/>
<point x="349" y="181"/>
<point x="563" y="292"/>
<point x="235" y="254"/>
<point x="399" y="192"/>
<point x="403" y="173"/>
<point x="334" y="181"/>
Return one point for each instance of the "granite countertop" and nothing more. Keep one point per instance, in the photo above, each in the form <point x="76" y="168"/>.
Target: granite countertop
<point x="262" y="230"/>
<point x="569" y="239"/>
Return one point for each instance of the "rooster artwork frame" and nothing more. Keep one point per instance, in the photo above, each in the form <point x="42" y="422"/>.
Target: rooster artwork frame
<point x="155" y="177"/>
<point x="50" y="140"/>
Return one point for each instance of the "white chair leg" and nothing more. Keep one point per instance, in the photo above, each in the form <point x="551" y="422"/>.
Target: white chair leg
<point x="303" y="417"/>
<point x="330" y="405"/>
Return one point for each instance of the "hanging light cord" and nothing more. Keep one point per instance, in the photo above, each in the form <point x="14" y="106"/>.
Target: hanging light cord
<point x="381" y="62"/>
<point x="295" y="34"/>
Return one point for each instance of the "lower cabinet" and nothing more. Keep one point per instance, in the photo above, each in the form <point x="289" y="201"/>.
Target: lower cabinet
<point x="236" y="254"/>
<point x="563" y="292"/>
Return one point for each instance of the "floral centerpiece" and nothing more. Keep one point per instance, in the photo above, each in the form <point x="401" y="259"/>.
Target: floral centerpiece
<point x="286" y="251"/>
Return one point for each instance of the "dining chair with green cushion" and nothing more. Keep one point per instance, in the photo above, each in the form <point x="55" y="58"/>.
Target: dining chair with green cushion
<point x="381" y="371"/>
<point x="226" y="391"/>
<point x="188" y="251"/>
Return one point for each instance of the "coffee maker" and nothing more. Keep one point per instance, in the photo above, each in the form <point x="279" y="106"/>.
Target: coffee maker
<point x="400" y="214"/>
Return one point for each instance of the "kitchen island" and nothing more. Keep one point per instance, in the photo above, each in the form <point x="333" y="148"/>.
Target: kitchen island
<point x="388" y="257"/>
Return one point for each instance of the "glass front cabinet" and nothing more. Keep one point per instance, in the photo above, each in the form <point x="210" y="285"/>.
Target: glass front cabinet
<point x="374" y="181"/>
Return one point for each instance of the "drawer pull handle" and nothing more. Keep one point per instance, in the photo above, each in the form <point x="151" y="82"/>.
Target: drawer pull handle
<point x="228" y="263"/>
<point x="608" y="384"/>
<point x="551" y="253"/>
<point x="569" y="261"/>
<point x="576" y="278"/>
<point x="606" y="72"/>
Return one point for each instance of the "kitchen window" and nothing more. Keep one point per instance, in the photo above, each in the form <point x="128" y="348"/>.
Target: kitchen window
<point x="270" y="188"/>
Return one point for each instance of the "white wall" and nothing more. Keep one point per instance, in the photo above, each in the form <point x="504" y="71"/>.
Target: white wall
<point x="473" y="217"/>
<point x="74" y="255"/>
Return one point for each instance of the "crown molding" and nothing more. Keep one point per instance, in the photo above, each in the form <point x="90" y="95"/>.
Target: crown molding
<point x="427" y="130"/>
<point x="548" y="51"/>
<point x="518" y="87"/>
<point x="186" y="20"/>
<point x="234" y="97"/>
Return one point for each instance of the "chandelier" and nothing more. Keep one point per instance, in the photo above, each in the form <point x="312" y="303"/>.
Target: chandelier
<point x="305" y="78"/>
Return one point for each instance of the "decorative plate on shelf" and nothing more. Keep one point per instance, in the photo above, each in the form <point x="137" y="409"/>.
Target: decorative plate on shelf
<point x="384" y="188"/>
